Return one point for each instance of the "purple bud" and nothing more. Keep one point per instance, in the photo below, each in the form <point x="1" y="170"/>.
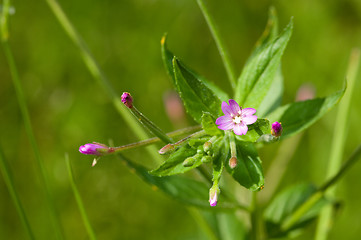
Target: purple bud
<point x="213" y="195"/>
<point x="127" y="99"/>
<point x="276" y="129"/>
<point x="94" y="149"/>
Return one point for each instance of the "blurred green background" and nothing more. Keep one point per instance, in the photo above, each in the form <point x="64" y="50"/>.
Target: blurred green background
<point x="68" y="108"/>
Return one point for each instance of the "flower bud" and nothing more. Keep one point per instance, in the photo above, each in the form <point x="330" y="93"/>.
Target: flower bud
<point x="232" y="162"/>
<point x="206" y="159"/>
<point x="213" y="195"/>
<point x="127" y="99"/>
<point x="207" y="146"/>
<point x="95" y="149"/>
<point x="169" y="148"/>
<point x="276" y="129"/>
<point x="189" y="162"/>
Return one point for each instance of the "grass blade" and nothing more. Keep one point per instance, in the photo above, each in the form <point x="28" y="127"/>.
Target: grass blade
<point x="99" y="76"/>
<point x="338" y="142"/>
<point x="27" y="123"/>
<point x="8" y="178"/>
<point x="79" y="201"/>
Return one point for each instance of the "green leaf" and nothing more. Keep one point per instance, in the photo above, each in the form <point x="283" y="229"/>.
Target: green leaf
<point x="168" y="56"/>
<point x="273" y="98"/>
<point x="183" y="189"/>
<point x="260" y="70"/>
<point x="248" y="171"/>
<point x="209" y="125"/>
<point x="197" y="97"/>
<point x="269" y="34"/>
<point x="298" y="116"/>
<point x="174" y="164"/>
<point x="285" y="204"/>
<point x="256" y="130"/>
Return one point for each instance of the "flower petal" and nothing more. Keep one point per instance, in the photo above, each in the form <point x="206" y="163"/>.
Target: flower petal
<point x="240" y="129"/>
<point x="248" y="111"/>
<point x="225" y="123"/>
<point x="249" y="119"/>
<point x="234" y="106"/>
<point x="226" y="109"/>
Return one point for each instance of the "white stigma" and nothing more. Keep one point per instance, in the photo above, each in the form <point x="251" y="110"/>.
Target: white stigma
<point x="237" y="119"/>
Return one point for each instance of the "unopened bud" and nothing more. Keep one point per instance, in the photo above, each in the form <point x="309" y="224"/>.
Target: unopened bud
<point x="213" y="195"/>
<point x="206" y="159"/>
<point x="189" y="162"/>
<point x="276" y="129"/>
<point x="127" y="99"/>
<point x="207" y="146"/>
<point x="95" y="149"/>
<point x="169" y="148"/>
<point x="232" y="162"/>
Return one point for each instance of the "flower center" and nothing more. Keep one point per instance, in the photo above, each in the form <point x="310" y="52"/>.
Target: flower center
<point x="237" y="119"/>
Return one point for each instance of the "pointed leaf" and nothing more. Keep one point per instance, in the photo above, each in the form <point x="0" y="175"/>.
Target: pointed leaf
<point x="260" y="71"/>
<point x="248" y="171"/>
<point x="273" y="98"/>
<point x="285" y="204"/>
<point x="168" y="56"/>
<point x="298" y="116"/>
<point x="174" y="164"/>
<point x="256" y="130"/>
<point x="209" y="125"/>
<point x="185" y="190"/>
<point x="196" y="96"/>
<point x="269" y="34"/>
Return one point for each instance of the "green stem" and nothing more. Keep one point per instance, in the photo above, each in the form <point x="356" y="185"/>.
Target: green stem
<point x="347" y="165"/>
<point x="28" y="128"/>
<point x="255" y="217"/>
<point x="150" y="125"/>
<point x="219" y="42"/>
<point x="79" y="200"/>
<point x="4" y="20"/>
<point x="98" y="75"/>
<point x="8" y="178"/>
<point x="338" y="143"/>
<point x="155" y="139"/>
<point x="301" y="211"/>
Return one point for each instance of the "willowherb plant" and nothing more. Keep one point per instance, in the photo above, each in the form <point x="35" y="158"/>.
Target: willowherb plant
<point x="231" y="131"/>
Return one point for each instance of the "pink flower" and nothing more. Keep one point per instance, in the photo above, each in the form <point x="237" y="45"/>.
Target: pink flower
<point x="236" y="118"/>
